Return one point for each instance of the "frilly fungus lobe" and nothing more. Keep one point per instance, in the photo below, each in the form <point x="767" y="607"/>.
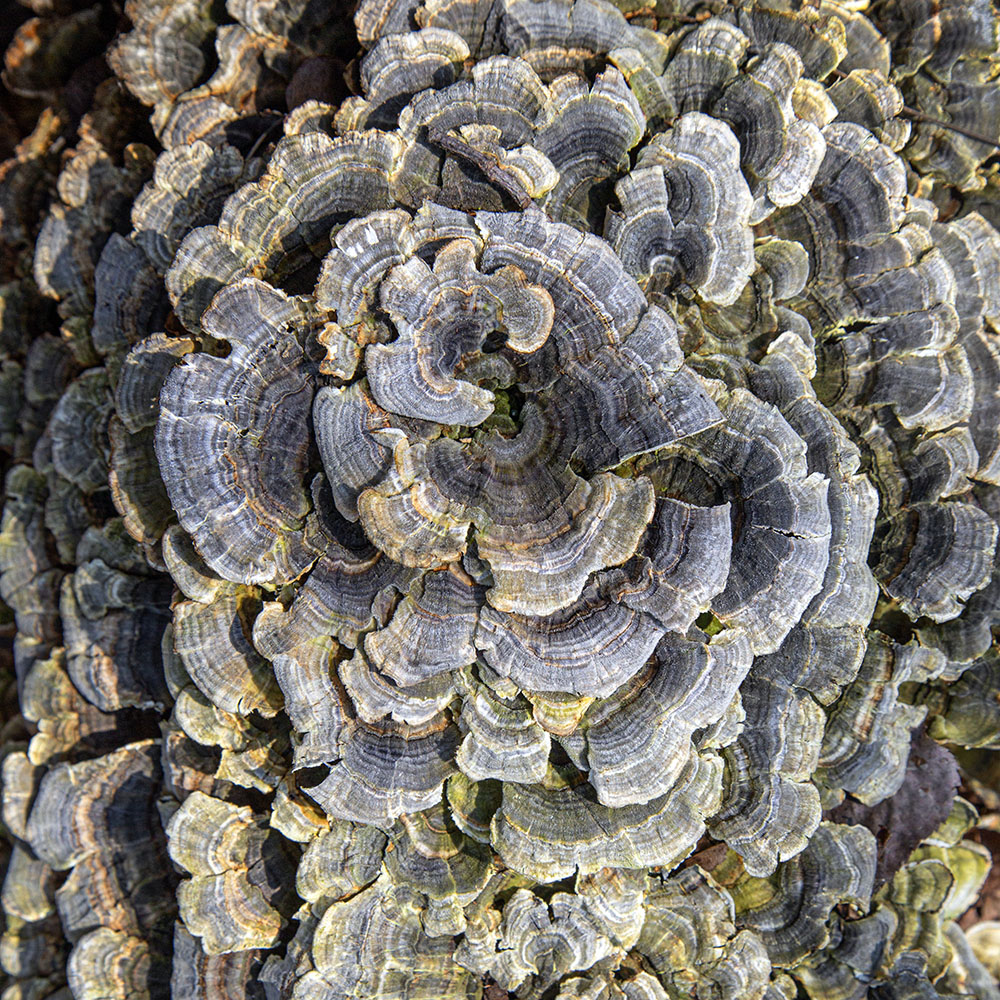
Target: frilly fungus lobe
<point x="512" y="527"/>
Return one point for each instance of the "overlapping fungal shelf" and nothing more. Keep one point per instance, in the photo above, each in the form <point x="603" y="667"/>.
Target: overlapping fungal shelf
<point x="501" y="498"/>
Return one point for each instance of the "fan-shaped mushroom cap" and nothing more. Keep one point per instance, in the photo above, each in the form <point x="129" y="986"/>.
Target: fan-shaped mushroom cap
<point x="188" y="187"/>
<point x="502" y="739"/>
<point x="246" y="508"/>
<point x="873" y="770"/>
<point x="591" y="647"/>
<point x="849" y="591"/>
<point x="277" y="219"/>
<point x="340" y="861"/>
<point x="94" y="193"/>
<point x="374" y="942"/>
<point x="431" y="855"/>
<point x="638" y="742"/>
<point x="866" y="97"/>
<point x="757" y="456"/>
<point x="188" y="570"/>
<point x="136" y="487"/>
<point x="108" y="618"/>
<point x="643" y="986"/>
<point x="28" y="887"/>
<point x="401" y="65"/>
<point x="311" y="699"/>
<point x="212" y="977"/>
<point x="771" y="808"/>
<point x="376" y="696"/>
<point x="105" y="962"/>
<point x="67" y="820"/>
<point x="542" y="831"/>
<point x="970" y="718"/>
<point x="586" y="134"/>
<point x="702" y="233"/>
<point x="30" y="579"/>
<point x="130" y="299"/>
<point x="628" y="401"/>
<point x="690" y="938"/>
<point x="79" y="429"/>
<point x="388" y="769"/>
<point x="162" y="56"/>
<point x="430" y="632"/>
<point x="98" y="818"/>
<point x="688" y="919"/>
<point x="781" y="151"/>
<point x="237" y="896"/>
<point x="412" y="376"/>
<point x="949" y="557"/>
<point x="685" y="565"/>
<point x="838" y="866"/>
<point x="543" y="940"/>
<point x="341" y="596"/>
<point x="20" y="782"/>
<point x="561" y="36"/>
<point x="213" y="643"/>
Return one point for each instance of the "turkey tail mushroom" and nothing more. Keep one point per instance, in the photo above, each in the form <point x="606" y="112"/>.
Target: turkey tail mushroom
<point x="500" y="496"/>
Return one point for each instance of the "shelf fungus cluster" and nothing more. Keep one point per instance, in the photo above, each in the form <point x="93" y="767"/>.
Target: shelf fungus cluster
<point x="501" y="498"/>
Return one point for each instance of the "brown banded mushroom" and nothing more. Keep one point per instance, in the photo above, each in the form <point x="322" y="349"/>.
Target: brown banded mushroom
<point x="574" y="451"/>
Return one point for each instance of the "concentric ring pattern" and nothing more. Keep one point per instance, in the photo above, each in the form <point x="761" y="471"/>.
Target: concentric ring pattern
<point x="515" y="515"/>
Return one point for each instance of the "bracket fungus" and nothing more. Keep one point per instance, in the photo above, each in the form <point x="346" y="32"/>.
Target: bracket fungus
<point x="501" y="498"/>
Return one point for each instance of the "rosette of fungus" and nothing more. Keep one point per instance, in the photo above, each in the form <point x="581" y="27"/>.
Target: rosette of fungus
<point x="556" y="504"/>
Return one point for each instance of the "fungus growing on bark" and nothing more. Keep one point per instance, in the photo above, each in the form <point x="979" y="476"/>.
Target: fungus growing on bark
<point x="511" y="528"/>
